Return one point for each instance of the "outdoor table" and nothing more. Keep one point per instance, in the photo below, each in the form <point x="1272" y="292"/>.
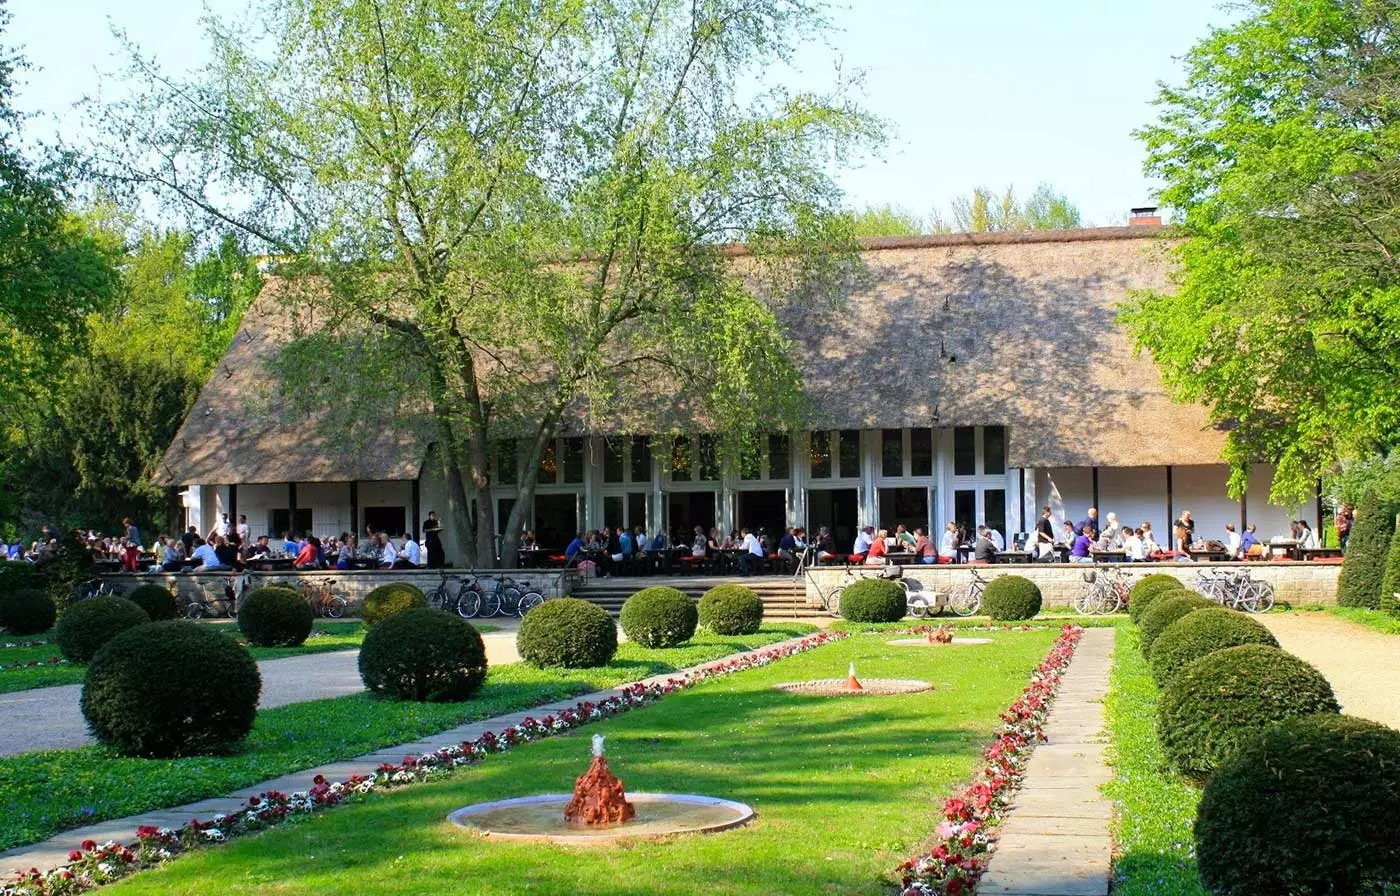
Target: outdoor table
<point x="107" y="565"/>
<point x="1015" y="557"/>
<point x="1319" y="553"/>
<point x="270" y="564"/>
<point x="1109" y="556"/>
<point x="530" y="558"/>
<point x="1209" y="556"/>
<point x="1286" y="547"/>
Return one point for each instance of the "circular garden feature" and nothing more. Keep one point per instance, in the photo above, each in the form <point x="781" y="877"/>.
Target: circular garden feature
<point x="421" y="654"/>
<point x="1219" y="701"/>
<point x="1201" y="633"/>
<point x="1009" y="598"/>
<point x="386" y="600"/>
<point x="731" y="610"/>
<point x="90" y="623"/>
<point x="275" y="617"/>
<point x="659" y="617"/>
<point x="1306" y="806"/>
<point x="171" y="688"/>
<point x="873" y="600"/>
<point x="568" y="632"/>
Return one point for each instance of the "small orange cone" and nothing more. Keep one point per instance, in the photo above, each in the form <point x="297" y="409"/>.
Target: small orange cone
<point x="851" y="681"/>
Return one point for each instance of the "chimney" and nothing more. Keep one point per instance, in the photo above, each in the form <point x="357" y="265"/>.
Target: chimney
<point x="1146" y="216"/>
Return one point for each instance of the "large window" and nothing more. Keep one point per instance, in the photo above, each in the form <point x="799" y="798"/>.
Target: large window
<point x="280" y="521"/>
<point x="707" y="466"/>
<point x="507" y="462"/>
<point x="965" y="451"/>
<point x="779" y="466"/>
<point x="891" y="452"/>
<point x="821" y="455"/>
<point x="382" y="519"/>
<point x="993" y="450"/>
<point x="681" y="461"/>
<point x="921" y="452"/>
<point x="641" y="459"/>
<point x="573" y="460"/>
<point x="549" y="466"/>
<point x="612" y="460"/>
<point x="849" y="454"/>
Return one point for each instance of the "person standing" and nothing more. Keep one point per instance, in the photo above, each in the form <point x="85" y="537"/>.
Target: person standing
<point x="1345" y="515"/>
<point x="133" y="544"/>
<point x="1044" y="534"/>
<point x="432" y="535"/>
<point x="242" y="529"/>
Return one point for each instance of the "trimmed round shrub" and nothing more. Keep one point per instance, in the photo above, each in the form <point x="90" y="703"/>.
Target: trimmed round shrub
<point x="873" y="600"/>
<point x="659" y="617"/>
<point x="1200" y="633"/>
<point x="1146" y="590"/>
<point x="1011" y="597"/>
<point x="386" y="600"/>
<point x="156" y="600"/>
<point x="731" y="610"/>
<point x="1166" y="610"/>
<point x="421" y="654"/>
<point x="171" y="689"/>
<point x="274" y="617"/>
<point x="568" y="632"/>
<point x="1220" y="700"/>
<point x="27" y="611"/>
<point x="18" y="574"/>
<point x="89" y="624"/>
<point x="1307" y="806"/>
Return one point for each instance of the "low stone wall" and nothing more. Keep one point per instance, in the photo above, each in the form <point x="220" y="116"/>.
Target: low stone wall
<point x="352" y="585"/>
<point x="1299" y="584"/>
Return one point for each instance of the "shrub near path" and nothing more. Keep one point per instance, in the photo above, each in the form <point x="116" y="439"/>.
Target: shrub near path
<point x="843" y="788"/>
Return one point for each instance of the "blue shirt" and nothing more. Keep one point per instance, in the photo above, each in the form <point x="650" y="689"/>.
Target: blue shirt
<point x="291" y="547"/>
<point x="1082" y="543"/>
<point x="625" y="541"/>
<point x="1247" y="540"/>
<point x="574" y="547"/>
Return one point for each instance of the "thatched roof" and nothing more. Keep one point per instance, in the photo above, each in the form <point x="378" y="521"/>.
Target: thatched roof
<point x="956" y="330"/>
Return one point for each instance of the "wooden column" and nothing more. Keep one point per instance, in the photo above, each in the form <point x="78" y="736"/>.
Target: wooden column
<point x="291" y="507"/>
<point x="233" y="507"/>
<point x="1095" y="473"/>
<point x="355" y="509"/>
<point x="1170" y="512"/>
<point x="417" y="511"/>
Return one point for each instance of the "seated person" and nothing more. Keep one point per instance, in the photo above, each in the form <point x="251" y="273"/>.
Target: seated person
<point x="984" y="550"/>
<point x="904" y="539"/>
<point x="787" y="545"/>
<point x="227" y="553"/>
<point x="948" y="546"/>
<point x="1248" y="540"/>
<point x="875" y="554"/>
<point x="408" y="555"/>
<point x="571" y="552"/>
<point x="309" y="557"/>
<point x="1132" y="545"/>
<point x="864" y="538"/>
<point x="660" y="543"/>
<point x="345" y="557"/>
<point x="1080" y="551"/>
<point x="388" y="554"/>
<point x="923" y="546"/>
<point x="174" y="556"/>
<point x="826" y="544"/>
<point x="257" y="550"/>
<point x="290" y="545"/>
<point x="205" y="558"/>
<point x="752" y="551"/>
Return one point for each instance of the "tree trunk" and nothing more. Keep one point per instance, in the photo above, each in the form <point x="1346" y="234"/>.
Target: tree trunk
<point x="458" y="502"/>
<point x="524" y="497"/>
<point x="477" y="467"/>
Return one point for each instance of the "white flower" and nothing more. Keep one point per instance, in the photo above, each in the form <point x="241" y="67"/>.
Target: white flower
<point x="213" y="833"/>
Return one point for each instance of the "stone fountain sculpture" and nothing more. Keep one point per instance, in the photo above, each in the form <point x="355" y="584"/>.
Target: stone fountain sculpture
<point x="598" y="794"/>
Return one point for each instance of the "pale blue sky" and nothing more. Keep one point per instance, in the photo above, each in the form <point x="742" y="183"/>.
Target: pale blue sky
<point x="979" y="93"/>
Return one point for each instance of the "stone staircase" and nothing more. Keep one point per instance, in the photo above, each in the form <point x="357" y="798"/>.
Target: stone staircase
<point x="782" y="597"/>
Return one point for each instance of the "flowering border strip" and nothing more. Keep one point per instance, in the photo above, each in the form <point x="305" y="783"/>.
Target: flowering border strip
<point x="95" y="864"/>
<point x="958" y="859"/>
<point x="35" y="664"/>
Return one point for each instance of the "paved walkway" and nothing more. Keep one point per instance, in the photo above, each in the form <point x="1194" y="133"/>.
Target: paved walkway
<point x="50" y="719"/>
<point x="1362" y="665"/>
<point x="1056" y="840"/>
<point x="54" y="852"/>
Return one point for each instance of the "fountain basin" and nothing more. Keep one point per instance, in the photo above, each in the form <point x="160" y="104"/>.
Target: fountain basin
<point x="540" y="818"/>
<point x="869" y="687"/>
<point x="924" y="642"/>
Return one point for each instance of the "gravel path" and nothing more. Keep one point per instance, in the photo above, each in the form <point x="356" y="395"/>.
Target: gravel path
<point x="1362" y="665"/>
<point x="49" y="718"/>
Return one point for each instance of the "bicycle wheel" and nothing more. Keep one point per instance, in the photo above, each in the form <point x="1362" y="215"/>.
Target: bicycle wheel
<point x="1266" y="596"/>
<point x="334" y="607"/>
<point x="919" y="607"/>
<point x="833" y="602"/>
<point x="490" y="604"/>
<point x="965" y="600"/>
<point x="194" y="610"/>
<point x="468" y="603"/>
<point x="1084" y="603"/>
<point x="531" y="600"/>
<point x="510" y="600"/>
<point x="437" y="598"/>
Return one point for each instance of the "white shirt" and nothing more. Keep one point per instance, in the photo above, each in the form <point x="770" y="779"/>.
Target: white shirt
<point x="1132" y="546"/>
<point x="221" y="527"/>
<point x="641" y="542"/>
<point x="997" y="539"/>
<point x="1232" y="543"/>
<point x="863" y="542"/>
<point x="1310" y="540"/>
<point x="410" y="551"/>
<point x="752" y="546"/>
<point x="388" y="555"/>
<point x="243" y="532"/>
<point x="946" y="547"/>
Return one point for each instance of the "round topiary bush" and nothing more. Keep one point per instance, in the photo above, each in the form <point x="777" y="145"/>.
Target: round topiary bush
<point x="27" y="611"/>
<point x="1215" y="703"/>
<point x="1200" y="633"/>
<point x="659" y="617"/>
<point x="157" y="601"/>
<point x="386" y="600"/>
<point x="421" y="654"/>
<point x="274" y="617"/>
<point x="731" y="610"/>
<point x="873" y="600"/>
<point x="1164" y="611"/>
<point x="18" y="574"/>
<point x="1011" y="597"/>
<point x="1307" y="806"/>
<point x="89" y="624"/>
<point x="567" y="632"/>
<point x="1145" y="591"/>
<point x="171" y="689"/>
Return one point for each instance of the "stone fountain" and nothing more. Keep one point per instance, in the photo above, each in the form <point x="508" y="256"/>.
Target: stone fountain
<point x="599" y="812"/>
<point x="939" y="637"/>
<point x="852" y="686"/>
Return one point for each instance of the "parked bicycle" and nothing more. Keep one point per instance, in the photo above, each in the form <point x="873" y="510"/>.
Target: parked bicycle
<point x="1236" y="589"/>
<point x="966" y="599"/>
<point x="95" y="588"/>
<point x="322" y="598"/>
<point x="1105" y="591"/>
<point x="215" y="604"/>
<point x="464" y="599"/>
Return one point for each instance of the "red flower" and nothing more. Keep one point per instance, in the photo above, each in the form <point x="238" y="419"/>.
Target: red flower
<point x="89" y="845"/>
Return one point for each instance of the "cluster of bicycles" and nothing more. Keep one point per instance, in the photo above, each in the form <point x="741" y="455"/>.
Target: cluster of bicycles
<point x="472" y="596"/>
<point x="1105" y="592"/>
<point x="1236" y="590"/>
<point x="964" y="600"/>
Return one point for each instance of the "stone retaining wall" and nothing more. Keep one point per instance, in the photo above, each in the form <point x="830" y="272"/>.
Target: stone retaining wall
<point x="352" y="585"/>
<point x="1299" y="584"/>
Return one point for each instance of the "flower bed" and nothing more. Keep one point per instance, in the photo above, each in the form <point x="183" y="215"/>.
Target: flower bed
<point x="958" y="859"/>
<point x="30" y="664"/>
<point x="96" y="864"/>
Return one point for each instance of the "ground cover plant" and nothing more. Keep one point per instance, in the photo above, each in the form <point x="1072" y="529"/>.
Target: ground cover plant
<point x="844" y="790"/>
<point x="1155" y="808"/>
<point x="1377" y="620"/>
<point x="55" y="790"/>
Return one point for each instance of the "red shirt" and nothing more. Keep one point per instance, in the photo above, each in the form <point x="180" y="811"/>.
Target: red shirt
<point x="307" y="556"/>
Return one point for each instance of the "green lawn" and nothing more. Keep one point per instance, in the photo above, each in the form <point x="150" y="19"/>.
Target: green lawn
<point x="1155" y="808"/>
<point x="845" y="789"/>
<point x="1378" y="620"/>
<point x="47" y="792"/>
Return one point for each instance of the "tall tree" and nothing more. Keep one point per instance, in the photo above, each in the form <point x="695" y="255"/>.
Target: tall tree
<point x="887" y="220"/>
<point x="519" y="207"/>
<point x="983" y="211"/>
<point x="1282" y="151"/>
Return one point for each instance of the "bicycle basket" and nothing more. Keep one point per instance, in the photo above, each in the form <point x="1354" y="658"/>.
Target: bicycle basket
<point x="1090" y="576"/>
<point x="892" y="572"/>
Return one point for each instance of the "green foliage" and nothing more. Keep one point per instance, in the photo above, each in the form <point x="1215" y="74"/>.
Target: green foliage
<point x="1280" y="150"/>
<point x="1146" y="590"/>
<point x="156" y="600"/>
<point x="424" y="655"/>
<point x="170" y="689"/>
<point x="987" y="212"/>
<point x="275" y="617"/>
<point x="568" y="632"/>
<point x="1306" y="806"/>
<point x="886" y="220"/>
<point x="1391" y="583"/>
<point x="1364" y="568"/>
<point x="27" y="611"/>
<point x="386" y="600"/>
<point x="1222" y="699"/>
<point x="659" y="617"/>
<point x="1011" y="597"/>
<point x="88" y="624"/>
<point x="15" y="575"/>
<point x="1200" y="633"/>
<point x="1167" y="609"/>
<point x="873" y="600"/>
<point x="731" y="610"/>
